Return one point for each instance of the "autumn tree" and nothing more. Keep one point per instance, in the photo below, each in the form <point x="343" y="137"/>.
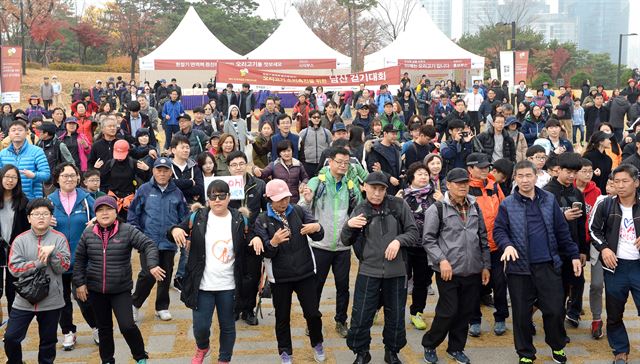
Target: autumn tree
<point x="88" y="36"/>
<point x="44" y="32"/>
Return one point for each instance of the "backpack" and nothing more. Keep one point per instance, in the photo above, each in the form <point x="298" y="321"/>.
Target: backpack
<point x="391" y="210"/>
<point x="322" y="187"/>
<point x="440" y="208"/>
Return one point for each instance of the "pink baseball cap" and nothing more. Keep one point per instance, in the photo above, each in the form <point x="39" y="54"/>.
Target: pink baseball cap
<point x="120" y="150"/>
<point x="277" y="189"/>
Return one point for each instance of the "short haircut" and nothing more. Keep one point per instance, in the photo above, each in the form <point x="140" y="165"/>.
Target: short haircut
<point x="39" y="202"/>
<point x="60" y="168"/>
<point x="173" y="90"/>
<point x="586" y="163"/>
<point x="428" y="130"/>
<point x="283" y="145"/>
<point x="535" y="149"/>
<point x="525" y="164"/>
<point x="282" y="117"/>
<point x="570" y="161"/>
<point x="340" y="143"/>
<point x="460" y="101"/>
<point x="90" y="173"/>
<point x="552" y="162"/>
<point x="177" y="139"/>
<point x="629" y="169"/>
<point x="19" y="122"/>
<point x="413" y="168"/>
<point x="236" y="154"/>
<point x="332" y="103"/>
<point x="333" y="151"/>
<point x="414" y="126"/>
<point x="455" y="124"/>
<point x="217" y="186"/>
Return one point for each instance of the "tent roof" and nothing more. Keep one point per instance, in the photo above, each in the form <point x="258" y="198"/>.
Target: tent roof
<point x="191" y="40"/>
<point x="420" y="28"/>
<point x="308" y="45"/>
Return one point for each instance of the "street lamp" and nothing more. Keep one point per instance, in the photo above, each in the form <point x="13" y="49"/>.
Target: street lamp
<point x="620" y="55"/>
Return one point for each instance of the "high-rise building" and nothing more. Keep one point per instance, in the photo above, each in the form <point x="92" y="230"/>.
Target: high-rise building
<point x="477" y="13"/>
<point x="440" y="11"/>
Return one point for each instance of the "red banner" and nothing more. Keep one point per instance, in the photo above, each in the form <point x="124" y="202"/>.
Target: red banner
<point x="434" y="64"/>
<point x="521" y="66"/>
<point x="230" y="74"/>
<point x="11" y="73"/>
<point x="211" y="65"/>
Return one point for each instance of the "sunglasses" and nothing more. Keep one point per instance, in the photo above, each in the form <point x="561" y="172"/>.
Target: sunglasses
<point x="218" y="196"/>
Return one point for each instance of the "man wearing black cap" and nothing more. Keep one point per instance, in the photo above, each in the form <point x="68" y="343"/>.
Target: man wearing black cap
<point x="134" y="120"/>
<point x="227" y="98"/>
<point x="455" y="238"/>
<point x="197" y="138"/>
<point x="377" y="229"/>
<point x="385" y="156"/>
<point x="363" y="118"/>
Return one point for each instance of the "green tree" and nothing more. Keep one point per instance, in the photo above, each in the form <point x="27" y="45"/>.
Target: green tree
<point x="541" y="78"/>
<point x="579" y="78"/>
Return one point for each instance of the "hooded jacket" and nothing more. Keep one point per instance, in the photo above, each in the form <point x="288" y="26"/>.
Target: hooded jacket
<point x="72" y="225"/>
<point x="488" y="196"/>
<point x="23" y="261"/>
<point x="393" y="220"/>
<point x="103" y="257"/>
<point x="462" y="243"/>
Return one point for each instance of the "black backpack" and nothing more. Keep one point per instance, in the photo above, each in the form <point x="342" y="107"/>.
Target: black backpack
<point x="34" y="287"/>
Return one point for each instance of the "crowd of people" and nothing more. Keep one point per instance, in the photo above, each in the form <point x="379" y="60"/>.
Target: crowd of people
<point x="483" y="189"/>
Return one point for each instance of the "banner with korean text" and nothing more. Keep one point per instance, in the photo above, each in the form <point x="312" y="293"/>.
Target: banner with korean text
<point x="521" y="66"/>
<point x="270" y="80"/>
<point x="10" y="73"/>
<point x="434" y="64"/>
<point x="273" y="64"/>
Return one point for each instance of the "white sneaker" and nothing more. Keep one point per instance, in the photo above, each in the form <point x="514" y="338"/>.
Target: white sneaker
<point x="96" y="336"/>
<point x="163" y="315"/>
<point x="136" y="314"/>
<point x="69" y="341"/>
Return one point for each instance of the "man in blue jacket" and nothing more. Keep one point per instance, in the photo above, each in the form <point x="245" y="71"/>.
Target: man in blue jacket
<point x="533" y="232"/>
<point x="29" y="159"/>
<point x="284" y="133"/>
<point x="156" y="205"/>
<point x="170" y="113"/>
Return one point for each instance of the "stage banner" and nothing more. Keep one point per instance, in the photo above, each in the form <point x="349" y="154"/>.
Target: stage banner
<point x="237" y="75"/>
<point x="506" y="68"/>
<point x="434" y="64"/>
<point x="11" y="73"/>
<point x="522" y="65"/>
<point x="211" y="65"/>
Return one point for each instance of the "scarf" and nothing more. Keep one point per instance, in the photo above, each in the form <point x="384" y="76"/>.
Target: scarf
<point x="420" y="194"/>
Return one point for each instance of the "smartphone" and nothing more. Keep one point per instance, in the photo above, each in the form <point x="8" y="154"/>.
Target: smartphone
<point x="576" y="205"/>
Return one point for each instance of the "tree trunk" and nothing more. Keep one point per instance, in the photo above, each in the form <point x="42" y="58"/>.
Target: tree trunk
<point x="134" y="59"/>
<point x="83" y="58"/>
<point x="352" y="40"/>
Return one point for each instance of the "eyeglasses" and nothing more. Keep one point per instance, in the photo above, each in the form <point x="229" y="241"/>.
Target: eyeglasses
<point x="238" y="165"/>
<point x="341" y="163"/>
<point x="218" y="196"/>
<point x="68" y="176"/>
<point x="10" y="178"/>
<point x="92" y="180"/>
<point x="540" y="158"/>
<point x="40" y="215"/>
<point x="315" y="117"/>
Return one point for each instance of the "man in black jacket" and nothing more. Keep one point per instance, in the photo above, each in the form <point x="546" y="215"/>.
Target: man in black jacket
<point x="246" y="104"/>
<point x="572" y="204"/>
<point x="618" y="246"/>
<point x="384" y="156"/>
<point x="134" y="120"/>
<point x="174" y="86"/>
<point x="378" y="228"/>
<point x="634" y="159"/>
<point x="227" y="98"/>
<point x="459" y="113"/>
<point x="284" y="230"/>
<point x="496" y="142"/>
<point x="595" y="115"/>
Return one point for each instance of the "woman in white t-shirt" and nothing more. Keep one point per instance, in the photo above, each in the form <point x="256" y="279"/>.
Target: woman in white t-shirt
<point x="213" y="273"/>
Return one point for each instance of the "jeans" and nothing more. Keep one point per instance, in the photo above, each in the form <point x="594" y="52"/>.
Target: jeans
<point x="17" y="326"/>
<point x="182" y="262"/>
<point x="617" y="287"/>
<point x="544" y="288"/>
<point x="458" y="298"/>
<point x="306" y="291"/>
<point x="366" y="297"/>
<point x="575" y="128"/>
<point x="340" y="263"/>
<point x="595" y="290"/>
<point x="146" y="281"/>
<point x="105" y="306"/>
<point x="419" y="270"/>
<point x="573" y="289"/>
<point x="169" y="130"/>
<point x="208" y="301"/>
<point x="66" y="313"/>
<point x="499" y="284"/>
<point x="346" y="114"/>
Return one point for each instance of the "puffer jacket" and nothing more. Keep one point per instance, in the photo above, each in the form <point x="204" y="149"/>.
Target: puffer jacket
<point x="195" y="224"/>
<point x="510" y="229"/>
<point x="392" y="221"/>
<point x="152" y="210"/>
<point x="331" y="207"/>
<point x="103" y="257"/>
<point x="73" y="224"/>
<point x="313" y="141"/>
<point x="292" y="261"/>
<point x="532" y="128"/>
<point x="488" y="196"/>
<point x="462" y="243"/>
<point x="293" y="175"/>
<point x="30" y="158"/>
<point x="487" y="141"/>
<point x="23" y="261"/>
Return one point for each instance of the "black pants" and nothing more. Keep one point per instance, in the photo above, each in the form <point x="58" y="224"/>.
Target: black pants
<point x="47" y="104"/>
<point x="499" y="285"/>
<point x="9" y="288"/>
<point x="544" y="287"/>
<point x="573" y="288"/>
<point x="66" y="313"/>
<point x="146" y="281"/>
<point x="458" y="298"/>
<point x="106" y="305"/>
<point x="366" y="297"/>
<point x="310" y="168"/>
<point x="418" y="268"/>
<point x="475" y="122"/>
<point x="340" y="263"/>
<point x="250" y="283"/>
<point x="306" y="292"/>
<point x="17" y="326"/>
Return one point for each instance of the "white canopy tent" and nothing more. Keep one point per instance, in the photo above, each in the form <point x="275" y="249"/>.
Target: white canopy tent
<point x="294" y="40"/>
<point x="421" y="40"/>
